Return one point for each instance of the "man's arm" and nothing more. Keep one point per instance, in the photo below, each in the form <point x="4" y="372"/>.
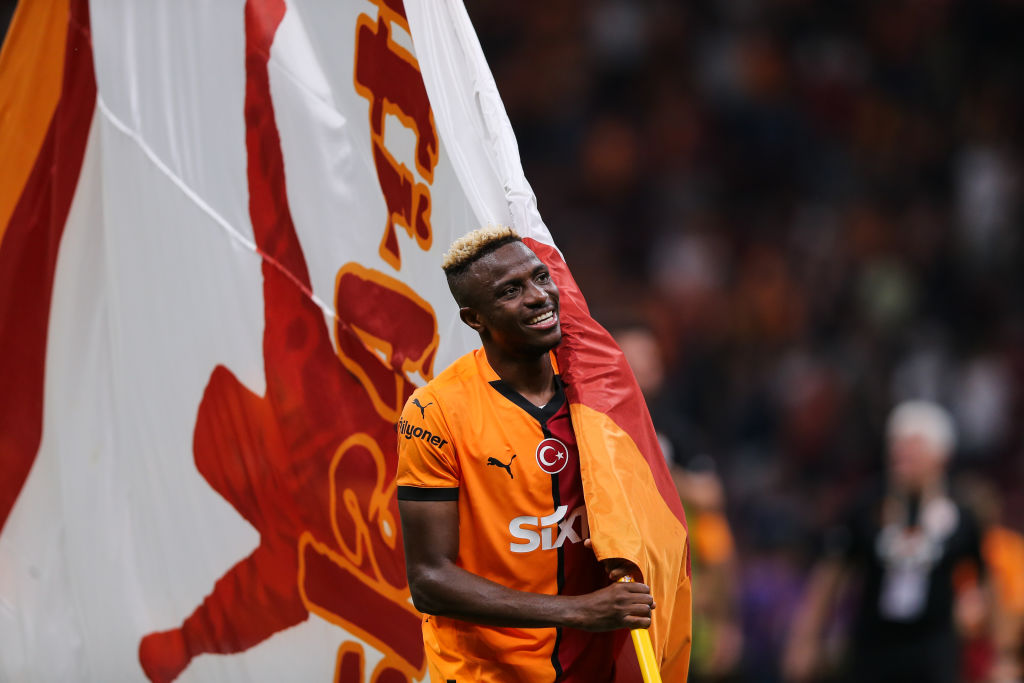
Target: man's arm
<point x="440" y="587"/>
<point x="803" y="650"/>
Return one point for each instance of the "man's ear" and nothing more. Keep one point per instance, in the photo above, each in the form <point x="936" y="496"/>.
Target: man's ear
<point x="471" y="318"/>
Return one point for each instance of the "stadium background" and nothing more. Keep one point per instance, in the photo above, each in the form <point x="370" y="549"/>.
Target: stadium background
<point x="816" y="209"/>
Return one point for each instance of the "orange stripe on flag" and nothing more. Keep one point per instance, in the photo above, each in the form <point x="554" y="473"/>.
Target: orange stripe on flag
<point x="629" y="519"/>
<point x="31" y="73"/>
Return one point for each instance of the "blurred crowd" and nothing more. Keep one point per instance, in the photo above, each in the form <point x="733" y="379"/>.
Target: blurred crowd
<point x="809" y="212"/>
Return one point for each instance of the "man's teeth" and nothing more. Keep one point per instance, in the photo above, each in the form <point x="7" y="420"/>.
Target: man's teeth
<point x="541" y="318"/>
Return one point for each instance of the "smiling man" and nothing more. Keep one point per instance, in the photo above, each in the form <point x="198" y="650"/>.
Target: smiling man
<point x="489" y="492"/>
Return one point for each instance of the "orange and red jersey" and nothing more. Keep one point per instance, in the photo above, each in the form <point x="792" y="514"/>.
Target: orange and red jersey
<point x="514" y="470"/>
<point x="1003" y="550"/>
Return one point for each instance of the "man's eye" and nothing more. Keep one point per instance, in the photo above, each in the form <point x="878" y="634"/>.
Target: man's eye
<point x="508" y="291"/>
<point x="543" y="277"/>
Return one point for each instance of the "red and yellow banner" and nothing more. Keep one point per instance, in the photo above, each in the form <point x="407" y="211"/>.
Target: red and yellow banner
<point x="220" y="235"/>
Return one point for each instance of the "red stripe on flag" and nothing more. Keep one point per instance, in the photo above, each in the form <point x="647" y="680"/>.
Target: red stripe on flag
<point x="292" y="462"/>
<point x="599" y="377"/>
<point x="28" y="262"/>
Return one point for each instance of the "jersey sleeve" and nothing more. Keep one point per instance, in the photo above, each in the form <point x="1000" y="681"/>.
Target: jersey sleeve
<point x="427" y="466"/>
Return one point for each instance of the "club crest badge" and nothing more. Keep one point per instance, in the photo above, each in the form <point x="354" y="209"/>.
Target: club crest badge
<point x="552" y="455"/>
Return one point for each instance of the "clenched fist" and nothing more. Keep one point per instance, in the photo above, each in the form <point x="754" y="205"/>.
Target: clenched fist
<point x="620" y="605"/>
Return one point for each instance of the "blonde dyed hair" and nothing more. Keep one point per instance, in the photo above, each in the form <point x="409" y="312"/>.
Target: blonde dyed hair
<point x="475" y="244"/>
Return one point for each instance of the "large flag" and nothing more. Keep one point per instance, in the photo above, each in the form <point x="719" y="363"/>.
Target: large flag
<point x="220" y="230"/>
<point x="633" y="509"/>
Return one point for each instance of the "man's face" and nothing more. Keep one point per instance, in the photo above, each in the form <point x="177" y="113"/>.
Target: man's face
<point x="644" y="356"/>
<point x="514" y="301"/>
<point x="914" y="461"/>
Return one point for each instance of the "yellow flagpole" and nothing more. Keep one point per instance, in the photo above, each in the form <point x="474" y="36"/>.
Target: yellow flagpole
<point x="644" y="650"/>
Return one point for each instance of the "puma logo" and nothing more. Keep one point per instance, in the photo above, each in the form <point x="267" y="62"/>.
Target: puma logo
<point x="498" y="463"/>
<point x="416" y="402"/>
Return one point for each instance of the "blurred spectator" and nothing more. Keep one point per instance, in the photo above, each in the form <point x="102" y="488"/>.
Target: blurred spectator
<point x="905" y="541"/>
<point x="771" y="588"/>
<point x="993" y="649"/>
<point x="717" y="635"/>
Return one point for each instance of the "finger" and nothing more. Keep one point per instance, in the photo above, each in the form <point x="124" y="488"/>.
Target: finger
<point x="640" y="611"/>
<point x="639" y="597"/>
<point x="636" y="622"/>
<point x="587" y="543"/>
<point x="636" y="608"/>
<point x="618" y="573"/>
<point x="638" y="588"/>
<point x="621" y="569"/>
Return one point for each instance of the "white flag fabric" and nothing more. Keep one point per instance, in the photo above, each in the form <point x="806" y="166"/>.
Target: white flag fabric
<point x="220" y="233"/>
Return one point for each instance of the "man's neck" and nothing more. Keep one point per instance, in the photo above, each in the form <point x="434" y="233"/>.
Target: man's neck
<point x="533" y="378"/>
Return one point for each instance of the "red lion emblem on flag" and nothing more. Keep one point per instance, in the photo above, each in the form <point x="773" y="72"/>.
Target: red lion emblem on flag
<point x="311" y="464"/>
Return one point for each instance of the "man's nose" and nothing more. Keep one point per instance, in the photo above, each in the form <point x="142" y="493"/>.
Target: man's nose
<point x="535" y="294"/>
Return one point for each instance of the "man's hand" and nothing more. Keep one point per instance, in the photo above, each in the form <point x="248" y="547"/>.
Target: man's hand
<point x="438" y="586"/>
<point x="620" y="605"/>
<point x="624" y="604"/>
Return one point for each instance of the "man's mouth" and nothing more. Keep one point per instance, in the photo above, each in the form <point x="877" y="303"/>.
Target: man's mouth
<point x="543" y="321"/>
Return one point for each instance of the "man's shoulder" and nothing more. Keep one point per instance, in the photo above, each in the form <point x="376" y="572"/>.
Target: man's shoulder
<point x="454" y="381"/>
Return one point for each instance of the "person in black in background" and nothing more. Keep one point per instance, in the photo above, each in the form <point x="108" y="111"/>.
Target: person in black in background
<point x="905" y="541"/>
